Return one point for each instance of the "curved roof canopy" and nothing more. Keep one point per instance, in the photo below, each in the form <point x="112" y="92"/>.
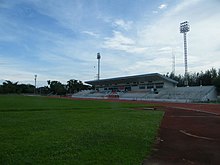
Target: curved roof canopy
<point x="129" y="79"/>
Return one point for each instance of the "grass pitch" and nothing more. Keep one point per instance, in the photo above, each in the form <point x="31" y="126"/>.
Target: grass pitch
<point x="41" y="130"/>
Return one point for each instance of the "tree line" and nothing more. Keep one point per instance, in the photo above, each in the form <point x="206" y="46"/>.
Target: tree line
<point x="209" y="77"/>
<point x="53" y="88"/>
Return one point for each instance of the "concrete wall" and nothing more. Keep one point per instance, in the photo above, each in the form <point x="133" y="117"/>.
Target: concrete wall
<point x="211" y="96"/>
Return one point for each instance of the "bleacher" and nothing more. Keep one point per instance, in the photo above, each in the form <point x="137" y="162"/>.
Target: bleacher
<point x="82" y="94"/>
<point x="133" y="95"/>
<point x="89" y="94"/>
<point x="185" y="94"/>
<point x="177" y="94"/>
<point x="189" y="94"/>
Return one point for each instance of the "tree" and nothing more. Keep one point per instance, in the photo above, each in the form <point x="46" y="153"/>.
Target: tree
<point x="216" y="82"/>
<point x="44" y="90"/>
<point x="9" y="87"/>
<point x="71" y="85"/>
<point x="214" y="73"/>
<point x="1" y="89"/>
<point x="25" y="88"/>
<point x="196" y="79"/>
<point x="76" y="86"/>
<point x="57" y="87"/>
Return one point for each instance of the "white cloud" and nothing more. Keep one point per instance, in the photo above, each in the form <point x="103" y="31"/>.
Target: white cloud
<point x="186" y="6"/>
<point x="123" y="43"/>
<point x="91" y="33"/>
<point x="150" y="66"/>
<point x="162" y="35"/>
<point x="165" y="50"/>
<point x="119" y="39"/>
<point x="143" y="48"/>
<point x="162" y="6"/>
<point x="68" y="14"/>
<point x="13" y="70"/>
<point x="126" y="25"/>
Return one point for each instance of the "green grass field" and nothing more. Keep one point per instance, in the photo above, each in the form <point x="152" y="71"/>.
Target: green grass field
<point x="41" y="130"/>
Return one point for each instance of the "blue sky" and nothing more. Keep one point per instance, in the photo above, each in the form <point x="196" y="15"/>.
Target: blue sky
<point x="59" y="39"/>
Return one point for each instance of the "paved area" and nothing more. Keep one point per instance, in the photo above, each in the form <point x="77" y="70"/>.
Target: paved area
<point x="187" y="137"/>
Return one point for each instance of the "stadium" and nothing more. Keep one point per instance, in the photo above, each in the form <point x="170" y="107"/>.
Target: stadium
<point x="151" y="87"/>
<point x="56" y="109"/>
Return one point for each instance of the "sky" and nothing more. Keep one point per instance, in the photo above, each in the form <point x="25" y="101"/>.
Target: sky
<point x="59" y="39"/>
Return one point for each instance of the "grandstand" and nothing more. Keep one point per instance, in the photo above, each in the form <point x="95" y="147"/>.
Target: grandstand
<point x="138" y="83"/>
<point x="154" y="87"/>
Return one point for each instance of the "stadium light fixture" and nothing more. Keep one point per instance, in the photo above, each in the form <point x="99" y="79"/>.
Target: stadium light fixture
<point x="98" y="57"/>
<point x="35" y="83"/>
<point x="184" y="28"/>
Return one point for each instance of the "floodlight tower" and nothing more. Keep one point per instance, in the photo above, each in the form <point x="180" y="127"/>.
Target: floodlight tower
<point x="35" y="83"/>
<point x="184" y="28"/>
<point x="98" y="57"/>
<point x="173" y="63"/>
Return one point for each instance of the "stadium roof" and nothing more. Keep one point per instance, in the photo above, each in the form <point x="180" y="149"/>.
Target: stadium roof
<point x="135" y="78"/>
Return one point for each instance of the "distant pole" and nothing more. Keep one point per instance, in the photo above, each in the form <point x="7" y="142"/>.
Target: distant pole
<point x="98" y="57"/>
<point x="35" y="83"/>
<point x="173" y="63"/>
<point x="184" y="28"/>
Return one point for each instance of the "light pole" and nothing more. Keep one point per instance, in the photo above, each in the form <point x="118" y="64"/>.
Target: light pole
<point x="173" y="64"/>
<point x="35" y="83"/>
<point x="98" y="57"/>
<point x="184" y="28"/>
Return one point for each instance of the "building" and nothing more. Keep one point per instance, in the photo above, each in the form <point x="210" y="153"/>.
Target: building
<point x="137" y="83"/>
<point x="154" y="87"/>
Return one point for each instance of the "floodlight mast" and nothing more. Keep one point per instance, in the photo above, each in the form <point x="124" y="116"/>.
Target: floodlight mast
<point x="184" y="28"/>
<point x="173" y="63"/>
<point x="35" y="83"/>
<point x="98" y="57"/>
